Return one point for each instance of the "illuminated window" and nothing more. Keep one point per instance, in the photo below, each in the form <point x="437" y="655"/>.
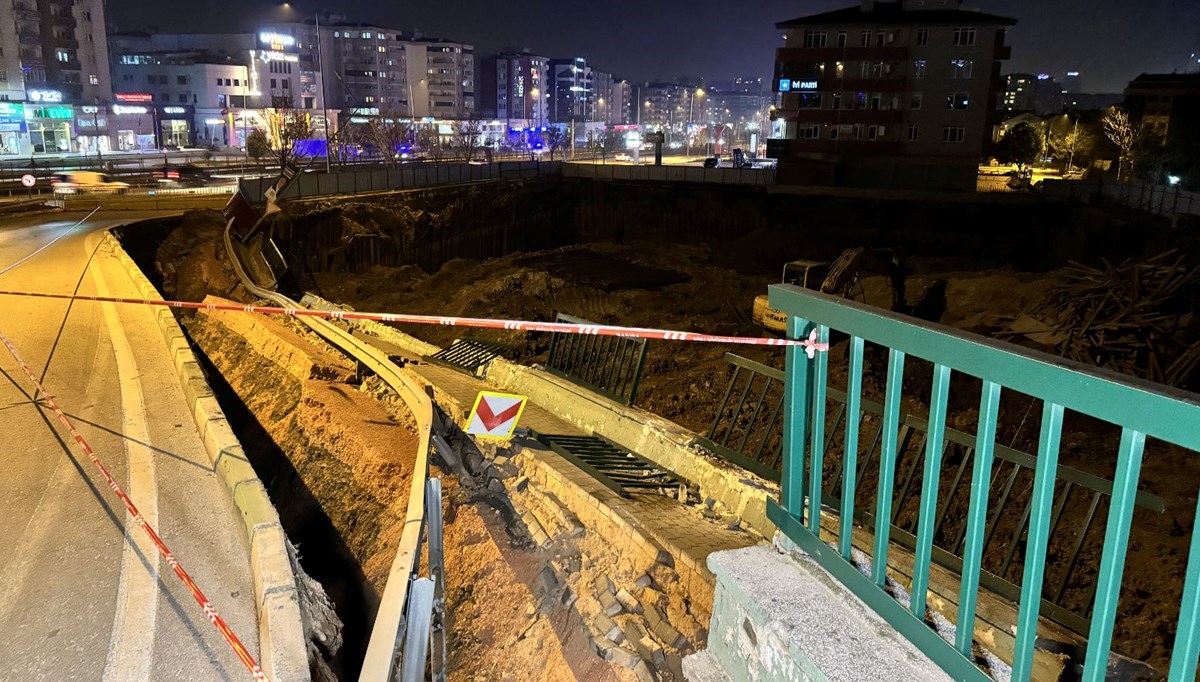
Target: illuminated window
<point x="961" y="68"/>
<point x="63" y="55"/>
<point x="93" y="79"/>
<point x="919" y="68"/>
<point x="959" y="100"/>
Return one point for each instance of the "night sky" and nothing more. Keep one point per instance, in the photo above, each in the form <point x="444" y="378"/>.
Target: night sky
<point x="1109" y="41"/>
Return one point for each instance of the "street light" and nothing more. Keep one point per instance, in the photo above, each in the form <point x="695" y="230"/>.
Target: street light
<point x="691" y="116"/>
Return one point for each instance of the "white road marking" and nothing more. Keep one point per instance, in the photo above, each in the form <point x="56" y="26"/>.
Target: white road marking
<point x="131" y="648"/>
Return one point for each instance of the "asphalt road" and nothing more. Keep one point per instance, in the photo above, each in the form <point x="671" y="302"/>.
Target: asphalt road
<point x="83" y="595"/>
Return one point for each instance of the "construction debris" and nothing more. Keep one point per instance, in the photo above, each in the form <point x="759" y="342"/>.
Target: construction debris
<point x="1137" y="318"/>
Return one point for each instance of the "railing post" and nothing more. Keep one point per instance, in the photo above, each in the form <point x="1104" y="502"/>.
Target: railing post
<point x="850" y="447"/>
<point x="796" y="394"/>
<point x="887" y="465"/>
<point x="437" y="572"/>
<point x="1187" y="633"/>
<point x="820" y="385"/>
<point x="934" y="447"/>
<point x="1112" y="561"/>
<point x="1042" y="498"/>
<point x="981" y="477"/>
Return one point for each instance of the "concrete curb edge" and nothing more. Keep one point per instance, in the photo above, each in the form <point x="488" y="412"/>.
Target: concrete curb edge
<point x="283" y="648"/>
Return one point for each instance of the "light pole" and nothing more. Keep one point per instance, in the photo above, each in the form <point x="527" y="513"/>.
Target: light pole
<point x="691" y="116"/>
<point x="1074" y="139"/>
<point x="320" y="66"/>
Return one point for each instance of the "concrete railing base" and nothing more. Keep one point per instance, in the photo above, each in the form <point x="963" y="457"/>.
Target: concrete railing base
<point x="782" y="617"/>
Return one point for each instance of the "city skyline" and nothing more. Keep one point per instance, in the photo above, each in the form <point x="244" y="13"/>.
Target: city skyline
<point x="1121" y="40"/>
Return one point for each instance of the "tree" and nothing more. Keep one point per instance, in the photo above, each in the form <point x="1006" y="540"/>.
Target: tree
<point x="387" y="133"/>
<point x="1073" y="142"/>
<point x="258" y="144"/>
<point x="1022" y="146"/>
<point x="467" y="136"/>
<point x="1124" y="134"/>
<point x="430" y="141"/>
<point x="286" y="127"/>
<point x="555" y="139"/>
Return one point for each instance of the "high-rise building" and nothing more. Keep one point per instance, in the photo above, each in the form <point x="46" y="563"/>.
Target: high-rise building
<point x="899" y="94"/>
<point x="571" y="94"/>
<point x="622" y="97"/>
<point x="1073" y="84"/>
<point x="1020" y="92"/>
<point x="56" y="52"/>
<point x="363" y="69"/>
<point x="513" y="86"/>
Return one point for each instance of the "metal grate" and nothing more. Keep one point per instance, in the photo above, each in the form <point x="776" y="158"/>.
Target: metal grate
<point x="608" y="365"/>
<point x="467" y="355"/>
<point x="619" y="469"/>
<point x="747" y="431"/>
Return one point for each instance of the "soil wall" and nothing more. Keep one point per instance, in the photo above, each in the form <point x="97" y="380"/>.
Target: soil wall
<point x="763" y="227"/>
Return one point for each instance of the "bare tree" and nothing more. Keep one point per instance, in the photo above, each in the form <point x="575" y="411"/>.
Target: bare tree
<point x="387" y="133"/>
<point x="1124" y="134"/>
<point x="286" y="127"/>
<point x="555" y="139"/>
<point x="467" y="136"/>
<point x="431" y="143"/>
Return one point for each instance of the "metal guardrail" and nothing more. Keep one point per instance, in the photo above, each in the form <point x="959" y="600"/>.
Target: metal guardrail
<point x="1139" y="409"/>
<point x="380" y="661"/>
<point x="610" y="366"/>
<point x="748" y="432"/>
<point x="753" y="177"/>
<point x="414" y="176"/>
<point x="1161" y="200"/>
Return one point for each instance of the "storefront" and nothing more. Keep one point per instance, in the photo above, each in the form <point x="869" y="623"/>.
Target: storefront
<point x="176" y="126"/>
<point x="133" y="121"/>
<point x="50" y="128"/>
<point x="14" y="133"/>
<point x="92" y="123"/>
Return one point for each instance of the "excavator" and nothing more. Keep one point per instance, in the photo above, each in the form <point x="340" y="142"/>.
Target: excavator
<point x="843" y="277"/>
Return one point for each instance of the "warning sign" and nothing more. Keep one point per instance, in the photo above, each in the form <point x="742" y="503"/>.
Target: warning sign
<point x="495" y="415"/>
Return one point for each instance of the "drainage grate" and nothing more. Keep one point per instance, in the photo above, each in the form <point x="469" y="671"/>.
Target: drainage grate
<point x="467" y="355"/>
<point x="617" y="468"/>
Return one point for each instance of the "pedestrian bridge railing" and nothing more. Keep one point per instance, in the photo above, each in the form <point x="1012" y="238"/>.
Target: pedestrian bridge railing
<point x="1137" y="410"/>
<point x="751" y="177"/>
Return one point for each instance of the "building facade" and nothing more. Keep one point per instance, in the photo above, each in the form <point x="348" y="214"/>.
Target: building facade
<point x="513" y="86"/>
<point x="1167" y="107"/>
<point x="893" y="94"/>
<point x="571" y="90"/>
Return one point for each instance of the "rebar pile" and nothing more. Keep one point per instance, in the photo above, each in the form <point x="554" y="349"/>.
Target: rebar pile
<point x="1136" y="318"/>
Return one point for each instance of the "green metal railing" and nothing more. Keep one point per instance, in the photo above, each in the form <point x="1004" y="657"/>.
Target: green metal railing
<point x="747" y="430"/>
<point x="1139" y="409"/>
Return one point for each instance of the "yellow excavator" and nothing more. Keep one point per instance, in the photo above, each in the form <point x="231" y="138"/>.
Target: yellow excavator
<point x="842" y="277"/>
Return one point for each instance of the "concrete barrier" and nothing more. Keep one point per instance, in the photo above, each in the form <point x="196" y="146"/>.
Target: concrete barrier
<point x="282" y="643"/>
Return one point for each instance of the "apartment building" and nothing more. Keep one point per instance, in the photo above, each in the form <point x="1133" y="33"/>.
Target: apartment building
<point x="888" y="94"/>
<point x="513" y="87"/>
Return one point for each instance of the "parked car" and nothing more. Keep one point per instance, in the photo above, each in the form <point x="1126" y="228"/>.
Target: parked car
<point x="80" y="182"/>
<point x="186" y="175"/>
<point x="622" y="156"/>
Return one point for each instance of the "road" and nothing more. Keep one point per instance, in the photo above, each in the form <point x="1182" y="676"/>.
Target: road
<point x="83" y="595"/>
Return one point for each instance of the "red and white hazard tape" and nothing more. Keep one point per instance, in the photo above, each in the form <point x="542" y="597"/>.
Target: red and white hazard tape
<point x="811" y="345"/>
<point x="209" y="611"/>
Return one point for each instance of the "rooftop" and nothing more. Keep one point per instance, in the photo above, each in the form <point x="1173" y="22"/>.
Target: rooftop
<point x="893" y="13"/>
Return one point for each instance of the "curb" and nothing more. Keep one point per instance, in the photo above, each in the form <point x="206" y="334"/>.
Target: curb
<point x="283" y="647"/>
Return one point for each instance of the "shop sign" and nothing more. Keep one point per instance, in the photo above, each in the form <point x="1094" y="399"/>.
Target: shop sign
<point x="276" y="41"/>
<point x="58" y="113"/>
<point x="134" y="97"/>
<point x="126" y="109"/>
<point x="174" y="110"/>
<point x="44" y="96"/>
<point x="12" y="117"/>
